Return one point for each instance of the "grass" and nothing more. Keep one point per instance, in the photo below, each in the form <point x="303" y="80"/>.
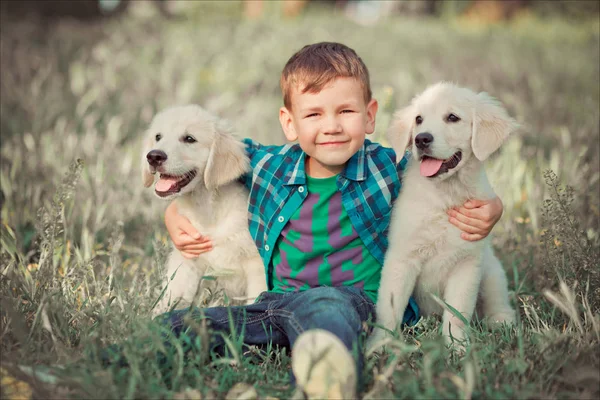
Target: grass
<point x="82" y="242"/>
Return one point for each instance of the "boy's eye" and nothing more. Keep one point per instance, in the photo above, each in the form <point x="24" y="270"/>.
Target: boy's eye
<point x="419" y="120"/>
<point x="347" y="111"/>
<point x="158" y="137"/>
<point x="452" y="118"/>
<point x="189" y="139"/>
<point x="311" y="115"/>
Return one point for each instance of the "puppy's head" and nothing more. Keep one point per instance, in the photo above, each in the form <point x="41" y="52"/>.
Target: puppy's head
<point x="190" y="149"/>
<point x="446" y="126"/>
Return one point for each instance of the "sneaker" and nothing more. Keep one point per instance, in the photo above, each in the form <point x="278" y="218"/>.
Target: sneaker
<point x="323" y="366"/>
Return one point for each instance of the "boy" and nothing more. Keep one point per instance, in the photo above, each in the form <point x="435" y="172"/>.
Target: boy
<point x="319" y="213"/>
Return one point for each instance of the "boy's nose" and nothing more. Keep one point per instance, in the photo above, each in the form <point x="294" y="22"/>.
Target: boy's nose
<point x="332" y="125"/>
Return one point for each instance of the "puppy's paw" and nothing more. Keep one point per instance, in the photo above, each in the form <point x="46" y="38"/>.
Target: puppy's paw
<point x="457" y="340"/>
<point x="459" y="349"/>
<point x="377" y="341"/>
<point x="503" y="317"/>
<point x="457" y="346"/>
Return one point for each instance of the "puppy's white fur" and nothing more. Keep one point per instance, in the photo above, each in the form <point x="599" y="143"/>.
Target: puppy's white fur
<point x="214" y="201"/>
<point x="426" y="254"/>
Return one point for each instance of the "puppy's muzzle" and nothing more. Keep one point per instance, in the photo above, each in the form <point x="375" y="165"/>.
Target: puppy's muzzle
<point x="423" y="140"/>
<point x="156" y="158"/>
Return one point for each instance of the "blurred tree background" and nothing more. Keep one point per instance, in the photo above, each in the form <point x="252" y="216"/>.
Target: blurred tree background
<point x="82" y="80"/>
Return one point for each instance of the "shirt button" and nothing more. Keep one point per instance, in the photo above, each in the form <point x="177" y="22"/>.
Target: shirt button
<point x="267" y="247"/>
<point x="280" y="219"/>
<point x="301" y="189"/>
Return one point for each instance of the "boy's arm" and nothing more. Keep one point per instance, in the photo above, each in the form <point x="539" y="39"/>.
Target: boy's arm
<point x="476" y="218"/>
<point x="184" y="236"/>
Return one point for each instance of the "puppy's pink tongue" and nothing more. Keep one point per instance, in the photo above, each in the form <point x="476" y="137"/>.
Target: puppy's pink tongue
<point x="429" y="166"/>
<point x="165" y="184"/>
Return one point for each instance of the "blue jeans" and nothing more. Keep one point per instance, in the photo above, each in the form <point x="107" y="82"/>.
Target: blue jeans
<point x="279" y="318"/>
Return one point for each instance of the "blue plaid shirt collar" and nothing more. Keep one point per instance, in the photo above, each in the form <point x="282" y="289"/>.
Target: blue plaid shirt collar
<point x="354" y="170"/>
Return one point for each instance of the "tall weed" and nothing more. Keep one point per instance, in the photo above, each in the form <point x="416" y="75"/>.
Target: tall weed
<point x="569" y="250"/>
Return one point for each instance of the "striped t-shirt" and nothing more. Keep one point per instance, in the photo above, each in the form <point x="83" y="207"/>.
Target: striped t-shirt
<point x="320" y="247"/>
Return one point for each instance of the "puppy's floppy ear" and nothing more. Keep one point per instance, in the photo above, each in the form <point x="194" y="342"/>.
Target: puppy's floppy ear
<point x="227" y="160"/>
<point x="400" y="131"/>
<point x="147" y="177"/>
<point x="491" y="126"/>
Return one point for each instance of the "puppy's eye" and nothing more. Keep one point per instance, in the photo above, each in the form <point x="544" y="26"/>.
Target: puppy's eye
<point x="189" y="139"/>
<point x="158" y="137"/>
<point x="452" y="118"/>
<point x="419" y="120"/>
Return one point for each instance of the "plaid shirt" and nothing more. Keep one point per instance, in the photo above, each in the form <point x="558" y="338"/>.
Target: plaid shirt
<point x="369" y="185"/>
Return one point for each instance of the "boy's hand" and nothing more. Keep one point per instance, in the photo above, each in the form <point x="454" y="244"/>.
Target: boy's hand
<point x="476" y="218"/>
<point x="184" y="236"/>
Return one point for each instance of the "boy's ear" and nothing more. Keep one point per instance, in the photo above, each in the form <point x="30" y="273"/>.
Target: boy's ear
<point x="372" y="108"/>
<point x="286" y="120"/>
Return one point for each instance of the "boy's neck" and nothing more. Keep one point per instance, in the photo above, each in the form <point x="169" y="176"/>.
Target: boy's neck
<point x="320" y="171"/>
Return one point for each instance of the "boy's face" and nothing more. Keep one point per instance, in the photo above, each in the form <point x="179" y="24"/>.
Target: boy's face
<point x="330" y="126"/>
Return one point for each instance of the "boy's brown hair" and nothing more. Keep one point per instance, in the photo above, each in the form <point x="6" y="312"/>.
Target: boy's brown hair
<point x="315" y="65"/>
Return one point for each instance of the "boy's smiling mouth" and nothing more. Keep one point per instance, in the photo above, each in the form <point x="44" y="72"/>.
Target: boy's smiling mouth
<point x="332" y="143"/>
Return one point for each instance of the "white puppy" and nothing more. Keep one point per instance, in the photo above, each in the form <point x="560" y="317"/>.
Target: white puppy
<point x="452" y="131"/>
<point x="199" y="162"/>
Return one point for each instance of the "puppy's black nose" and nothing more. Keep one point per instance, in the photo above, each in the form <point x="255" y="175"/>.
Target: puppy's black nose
<point x="156" y="157"/>
<point x="423" y="140"/>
